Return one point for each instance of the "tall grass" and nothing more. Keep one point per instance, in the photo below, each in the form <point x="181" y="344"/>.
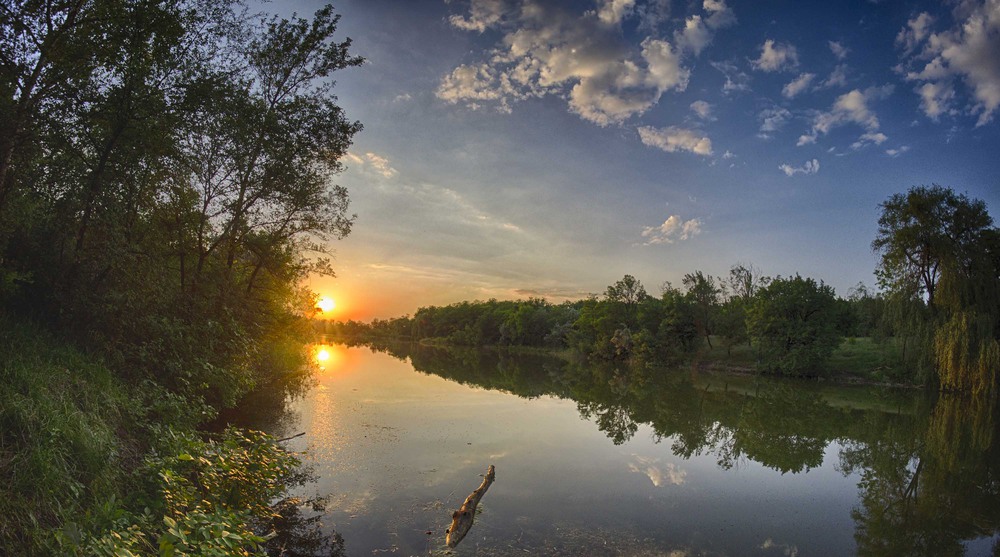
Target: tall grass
<point x="64" y="437"/>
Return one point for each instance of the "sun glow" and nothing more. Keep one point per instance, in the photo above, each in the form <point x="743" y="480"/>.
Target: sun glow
<point x="328" y="356"/>
<point x="326" y="305"/>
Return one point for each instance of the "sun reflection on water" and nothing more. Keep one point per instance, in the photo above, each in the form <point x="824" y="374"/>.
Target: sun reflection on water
<point x="328" y="356"/>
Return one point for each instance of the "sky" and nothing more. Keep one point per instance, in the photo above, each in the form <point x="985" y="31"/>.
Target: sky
<point x="520" y="148"/>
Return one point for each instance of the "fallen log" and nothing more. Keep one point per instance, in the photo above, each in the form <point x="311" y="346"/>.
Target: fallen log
<point x="461" y="520"/>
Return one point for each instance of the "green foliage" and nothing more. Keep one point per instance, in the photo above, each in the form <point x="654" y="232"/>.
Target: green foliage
<point x="62" y="447"/>
<point x="791" y="324"/>
<point x="209" y="498"/>
<point x="941" y="247"/>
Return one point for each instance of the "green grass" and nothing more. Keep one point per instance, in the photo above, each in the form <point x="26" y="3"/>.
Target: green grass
<point x="866" y="359"/>
<point x="856" y="359"/>
<point x="64" y="420"/>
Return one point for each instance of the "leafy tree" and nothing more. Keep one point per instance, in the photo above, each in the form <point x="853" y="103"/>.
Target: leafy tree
<point x="922" y="232"/>
<point x="704" y="293"/>
<point x="791" y="323"/>
<point x="942" y="246"/>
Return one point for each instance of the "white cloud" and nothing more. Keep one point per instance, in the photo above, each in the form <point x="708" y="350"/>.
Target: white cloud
<point x="869" y="138"/>
<point x="698" y="31"/>
<point x="810" y="167"/>
<point x="474" y="83"/>
<point x="669" y="474"/>
<point x="728" y="155"/>
<point x="897" y="151"/>
<point x="546" y="50"/>
<point x="652" y="13"/>
<point x="612" y="12"/>
<point x="672" y="229"/>
<point x="839" y="50"/>
<point x="772" y="120"/>
<point x="695" y="35"/>
<point x="736" y="80"/>
<point x="969" y="52"/>
<point x="936" y="98"/>
<point x="776" y="57"/>
<point x="797" y="85"/>
<point x="381" y="165"/>
<point x="483" y="14"/>
<point x="722" y="15"/>
<point x="702" y="109"/>
<point x="372" y="163"/>
<point x="838" y="77"/>
<point x="673" y="139"/>
<point x="850" y="107"/>
<point x="917" y="29"/>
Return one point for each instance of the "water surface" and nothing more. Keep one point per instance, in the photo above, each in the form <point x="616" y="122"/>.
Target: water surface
<point x="603" y="461"/>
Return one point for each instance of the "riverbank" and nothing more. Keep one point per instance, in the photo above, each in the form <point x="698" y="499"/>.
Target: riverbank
<point x="94" y="464"/>
<point x="856" y="361"/>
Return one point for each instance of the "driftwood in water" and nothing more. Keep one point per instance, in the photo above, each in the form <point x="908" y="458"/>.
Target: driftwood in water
<point x="461" y="520"/>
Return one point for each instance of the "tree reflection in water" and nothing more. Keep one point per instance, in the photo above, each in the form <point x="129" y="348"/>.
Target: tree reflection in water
<point x="929" y="469"/>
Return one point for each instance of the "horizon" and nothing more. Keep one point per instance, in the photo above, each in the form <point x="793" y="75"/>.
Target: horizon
<point x="526" y="148"/>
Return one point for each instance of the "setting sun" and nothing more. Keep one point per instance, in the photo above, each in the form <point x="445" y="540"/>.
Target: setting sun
<point x="326" y="304"/>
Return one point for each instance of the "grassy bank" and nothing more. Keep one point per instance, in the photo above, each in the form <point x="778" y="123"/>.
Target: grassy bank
<point x="93" y="465"/>
<point x="855" y="360"/>
<point x="66" y="438"/>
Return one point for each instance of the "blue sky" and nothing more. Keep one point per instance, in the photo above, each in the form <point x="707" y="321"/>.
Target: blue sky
<point x="516" y="148"/>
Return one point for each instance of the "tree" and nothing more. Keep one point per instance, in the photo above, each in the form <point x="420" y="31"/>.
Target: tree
<point x="922" y="232"/>
<point x="704" y="293"/>
<point x="625" y="295"/>
<point x="792" y="324"/>
<point x="941" y="248"/>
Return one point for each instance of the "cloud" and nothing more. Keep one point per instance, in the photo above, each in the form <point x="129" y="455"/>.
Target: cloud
<point x="839" y="50"/>
<point x="797" y="85"/>
<point x="672" y="139"/>
<point x="852" y="107"/>
<point x="936" y="99"/>
<point x="736" y="80"/>
<point x="776" y="57"/>
<point x="660" y="475"/>
<point x="695" y="36"/>
<point x="810" y="167"/>
<point x="584" y="57"/>
<point x="721" y="15"/>
<point x="372" y="163"/>
<point x="917" y="29"/>
<point x="702" y="109"/>
<point x="546" y="50"/>
<point x="967" y="53"/>
<point x="652" y="13"/>
<point x="897" y="151"/>
<point x="483" y="14"/>
<point x="869" y="138"/>
<point x="772" y="120"/>
<point x="838" y="77"/>
<point x="475" y="83"/>
<point x="612" y="12"/>
<point x="672" y="229"/>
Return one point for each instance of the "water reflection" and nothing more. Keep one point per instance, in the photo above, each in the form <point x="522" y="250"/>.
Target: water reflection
<point x="918" y="476"/>
<point x="929" y="470"/>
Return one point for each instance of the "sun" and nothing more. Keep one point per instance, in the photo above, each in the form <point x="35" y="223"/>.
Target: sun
<point x="325" y="304"/>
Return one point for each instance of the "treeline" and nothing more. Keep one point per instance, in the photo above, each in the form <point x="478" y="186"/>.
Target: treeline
<point x="165" y="186"/>
<point x="935" y="319"/>
<point x="793" y="323"/>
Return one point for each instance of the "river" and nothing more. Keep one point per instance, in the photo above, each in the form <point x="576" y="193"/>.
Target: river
<point x="597" y="460"/>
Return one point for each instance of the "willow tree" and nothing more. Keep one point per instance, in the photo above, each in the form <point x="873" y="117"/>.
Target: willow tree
<point x="939" y="249"/>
